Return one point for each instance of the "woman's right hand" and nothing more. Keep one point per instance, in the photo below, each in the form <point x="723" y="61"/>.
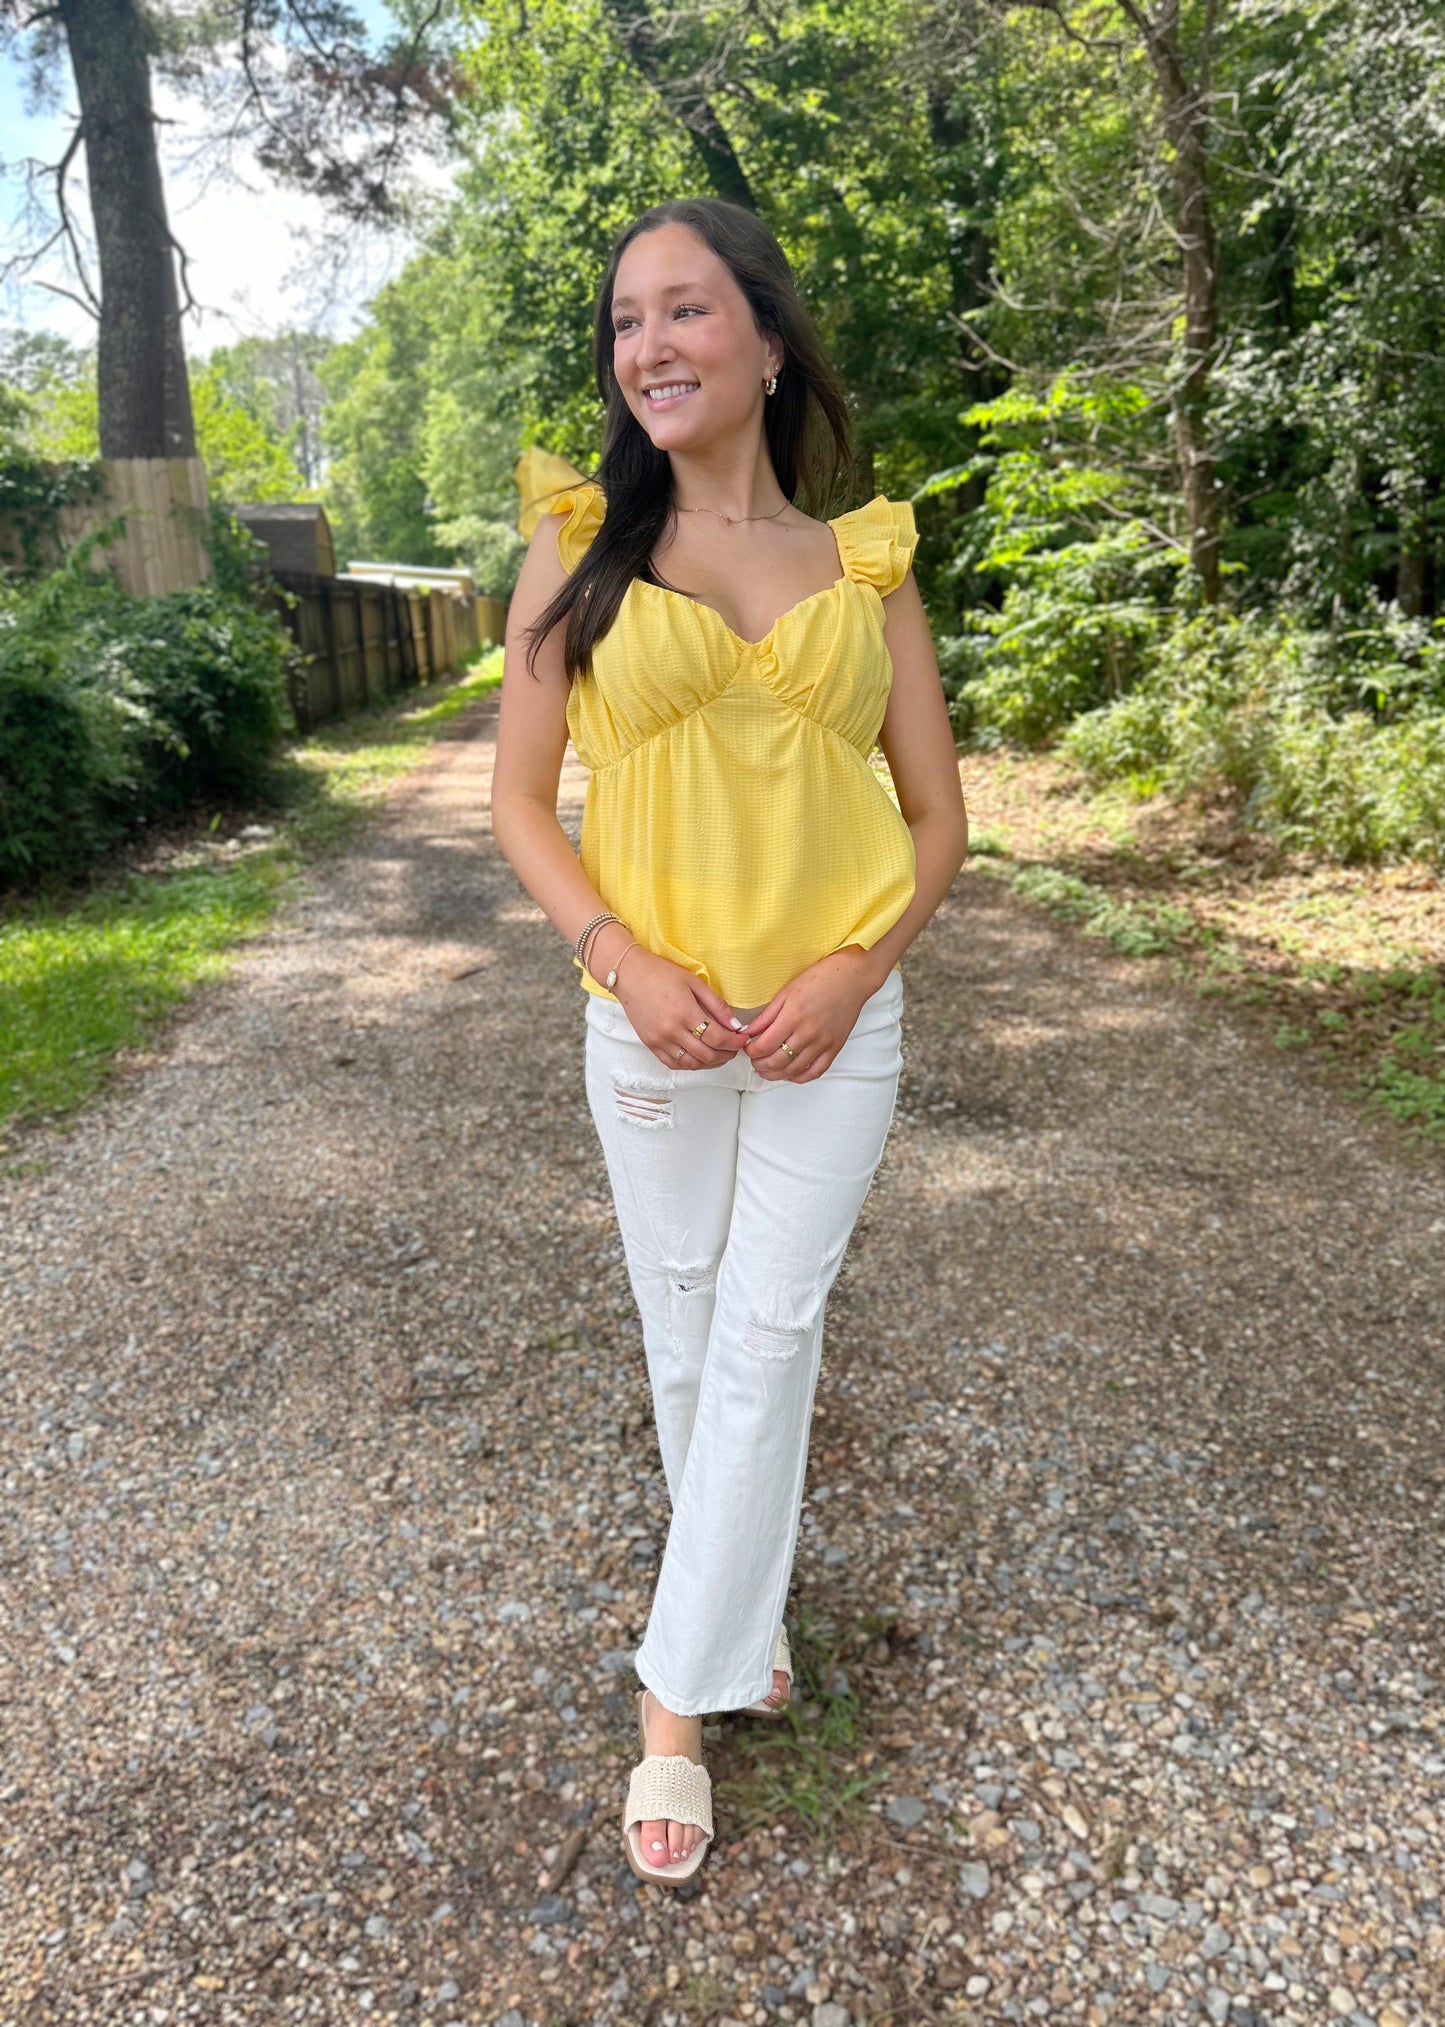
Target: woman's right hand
<point x="665" y="1003"/>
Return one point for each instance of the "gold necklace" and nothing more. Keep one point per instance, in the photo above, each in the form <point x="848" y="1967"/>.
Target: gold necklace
<point x="733" y="519"/>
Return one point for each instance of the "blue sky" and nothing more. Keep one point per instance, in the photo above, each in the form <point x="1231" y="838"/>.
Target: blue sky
<point x="248" y="269"/>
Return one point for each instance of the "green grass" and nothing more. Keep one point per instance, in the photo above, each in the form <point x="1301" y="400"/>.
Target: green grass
<point x="1416" y="1096"/>
<point x="1136" y="931"/>
<point x="804" y="1764"/>
<point x="79" y="984"/>
<point x="1392" y="1022"/>
<point x="84" y="976"/>
<point x="329" y="781"/>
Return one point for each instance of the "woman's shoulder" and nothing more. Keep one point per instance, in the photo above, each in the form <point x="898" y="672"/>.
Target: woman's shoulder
<point x="877" y="542"/>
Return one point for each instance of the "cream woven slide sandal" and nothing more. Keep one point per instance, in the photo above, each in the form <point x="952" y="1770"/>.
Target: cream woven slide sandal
<point x="782" y="1659"/>
<point x="666" y="1787"/>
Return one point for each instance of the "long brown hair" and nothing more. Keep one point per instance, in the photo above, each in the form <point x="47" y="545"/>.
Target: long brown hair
<point x="806" y="423"/>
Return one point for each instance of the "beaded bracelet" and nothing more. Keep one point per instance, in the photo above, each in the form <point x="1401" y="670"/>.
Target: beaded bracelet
<point x="592" y="935"/>
<point x="595" y="923"/>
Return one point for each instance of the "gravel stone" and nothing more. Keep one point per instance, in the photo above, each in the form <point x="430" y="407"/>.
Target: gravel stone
<point x="330" y="1508"/>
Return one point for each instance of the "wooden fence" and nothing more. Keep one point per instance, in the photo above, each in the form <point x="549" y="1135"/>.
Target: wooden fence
<point x="162" y="548"/>
<point x="361" y="641"/>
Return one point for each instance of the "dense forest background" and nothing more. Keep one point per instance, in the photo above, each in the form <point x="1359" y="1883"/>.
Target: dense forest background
<point x="1141" y="302"/>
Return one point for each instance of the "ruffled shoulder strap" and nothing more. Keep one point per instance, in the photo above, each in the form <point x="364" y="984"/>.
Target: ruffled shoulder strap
<point x="877" y="542"/>
<point x="548" y="484"/>
<point x="585" y="508"/>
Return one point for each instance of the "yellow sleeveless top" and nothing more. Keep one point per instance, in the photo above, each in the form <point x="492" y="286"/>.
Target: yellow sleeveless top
<point x="732" y="819"/>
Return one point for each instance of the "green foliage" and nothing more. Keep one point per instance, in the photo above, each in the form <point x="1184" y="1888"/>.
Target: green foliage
<point x="33" y="489"/>
<point x="37" y="479"/>
<point x="376" y="491"/>
<point x="212" y="676"/>
<point x="114" y="708"/>
<point x="1333" y="742"/>
<point x="1136" y="931"/>
<point x="1074" y="628"/>
<point x="244" y="452"/>
<point x="274" y="381"/>
<point x="245" y="457"/>
<point x="1315" y="696"/>
<point x="491" y="549"/>
<point x="49" y="774"/>
<point x="1088" y="579"/>
<point x="63" y="423"/>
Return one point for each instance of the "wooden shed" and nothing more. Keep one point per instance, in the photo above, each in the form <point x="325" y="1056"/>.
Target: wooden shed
<point x="297" y="534"/>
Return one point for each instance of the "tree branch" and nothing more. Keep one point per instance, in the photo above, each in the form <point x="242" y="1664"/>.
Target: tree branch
<point x="91" y="309"/>
<point x="65" y="230"/>
<point x="643" y="42"/>
<point x="1054" y="8"/>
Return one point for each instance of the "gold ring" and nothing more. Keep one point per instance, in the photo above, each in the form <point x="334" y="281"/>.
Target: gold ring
<point x="703" y="1029"/>
<point x="791" y="1052"/>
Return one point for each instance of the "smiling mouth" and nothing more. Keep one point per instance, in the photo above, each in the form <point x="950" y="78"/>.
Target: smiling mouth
<point x="675" y="390"/>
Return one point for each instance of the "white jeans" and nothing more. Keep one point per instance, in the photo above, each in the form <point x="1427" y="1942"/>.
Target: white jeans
<point x="736" y="1197"/>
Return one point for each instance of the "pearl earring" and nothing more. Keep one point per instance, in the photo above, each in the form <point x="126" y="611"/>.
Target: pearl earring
<point x="773" y="384"/>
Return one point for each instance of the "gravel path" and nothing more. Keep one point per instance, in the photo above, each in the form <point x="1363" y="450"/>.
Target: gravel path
<point x="332" y="1509"/>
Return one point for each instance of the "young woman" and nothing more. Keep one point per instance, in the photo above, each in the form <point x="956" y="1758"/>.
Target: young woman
<point x="724" y="663"/>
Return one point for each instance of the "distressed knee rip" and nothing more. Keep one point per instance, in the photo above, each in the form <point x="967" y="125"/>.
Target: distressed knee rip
<point x="773" y="1341"/>
<point x="646" y="1101"/>
<point x="699" y="1280"/>
<point x="690" y="1292"/>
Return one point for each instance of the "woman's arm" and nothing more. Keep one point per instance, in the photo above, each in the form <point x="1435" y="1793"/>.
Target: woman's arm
<point x="531" y="746"/>
<point x="917" y="740"/>
<point x="816" y="1011"/>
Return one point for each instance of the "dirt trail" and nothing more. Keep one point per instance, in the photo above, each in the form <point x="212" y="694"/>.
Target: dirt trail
<point x="332" y="1508"/>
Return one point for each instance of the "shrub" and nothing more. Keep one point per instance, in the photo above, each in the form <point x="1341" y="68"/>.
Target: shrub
<point x="1122" y="741"/>
<point x="1277" y="715"/>
<point x="1357" y="790"/>
<point x="212" y="674"/>
<point x="1077" y="627"/>
<point x="113" y="708"/>
<point x="1331" y="736"/>
<point x="48" y="783"/>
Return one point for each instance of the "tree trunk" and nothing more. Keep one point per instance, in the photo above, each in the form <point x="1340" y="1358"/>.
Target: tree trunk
<point x="1413" y="587"/>
<point x="145" y="397"/>
<point x="1186" y="123"/>
<point x="970" y="251"/>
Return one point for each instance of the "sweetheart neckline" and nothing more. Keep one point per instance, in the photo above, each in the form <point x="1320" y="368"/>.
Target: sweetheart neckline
<point x="742" y="640"/>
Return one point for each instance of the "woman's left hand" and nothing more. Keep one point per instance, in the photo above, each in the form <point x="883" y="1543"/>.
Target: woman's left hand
<point x="813" y="1013"/>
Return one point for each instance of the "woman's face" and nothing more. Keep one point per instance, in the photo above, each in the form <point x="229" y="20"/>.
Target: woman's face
<point x="688" y="357"/>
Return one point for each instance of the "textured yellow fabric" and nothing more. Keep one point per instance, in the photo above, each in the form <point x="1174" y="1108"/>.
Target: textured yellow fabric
<point x="539" y="473"/>
<point x="732" y="819"/>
